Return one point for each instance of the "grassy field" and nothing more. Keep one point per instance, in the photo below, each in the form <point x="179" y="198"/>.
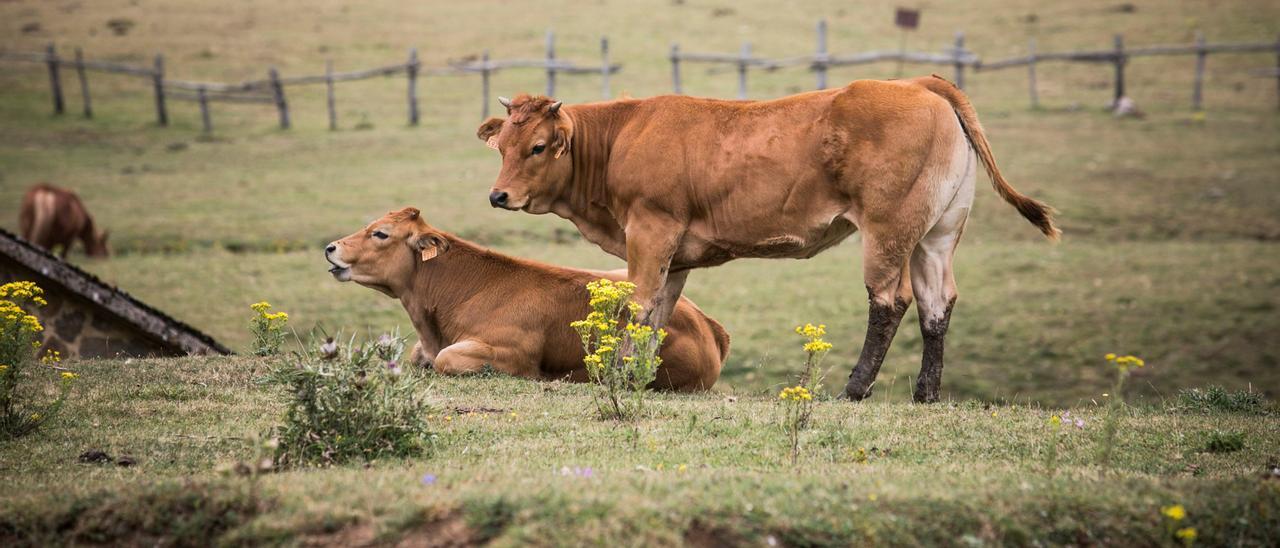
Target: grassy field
<point x="1170" y="221"/>
<point x="701" y="470"/>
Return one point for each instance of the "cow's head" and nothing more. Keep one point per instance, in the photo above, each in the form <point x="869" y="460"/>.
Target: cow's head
<point x="385" y="254"/>
<point x="97" y="245"/>
<point x="534" y="140"/>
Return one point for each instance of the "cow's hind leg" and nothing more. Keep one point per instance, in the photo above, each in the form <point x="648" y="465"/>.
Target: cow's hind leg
<point x="889" y="291"/>
<point x="934" y="285"/>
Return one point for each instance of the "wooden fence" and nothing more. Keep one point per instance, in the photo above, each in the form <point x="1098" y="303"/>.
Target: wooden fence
<point x="960" y="59"/>
<point x="271" y="90"/>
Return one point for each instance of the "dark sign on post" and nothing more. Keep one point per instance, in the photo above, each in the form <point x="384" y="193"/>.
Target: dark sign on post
<point x="907" y="19"/>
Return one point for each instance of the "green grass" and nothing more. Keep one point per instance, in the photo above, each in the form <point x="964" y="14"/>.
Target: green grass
<point x="1170" y="222"/>
<point x="951" y="473"/>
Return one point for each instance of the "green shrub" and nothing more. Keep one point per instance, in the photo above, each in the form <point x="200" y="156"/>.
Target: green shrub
<point x="24" y="380"/>
<point x="349" y="403"/>
<point x="1217" y="398"/>
<point x="620" y="377"/>
<point x="1223" y="442"/>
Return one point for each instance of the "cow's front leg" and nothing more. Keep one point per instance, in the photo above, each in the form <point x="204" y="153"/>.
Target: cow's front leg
<point x="651" y="245"/>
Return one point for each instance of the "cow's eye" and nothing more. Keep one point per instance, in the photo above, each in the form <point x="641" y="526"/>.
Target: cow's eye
<point x="380" y="235"/>
<point x="538" y="148"/>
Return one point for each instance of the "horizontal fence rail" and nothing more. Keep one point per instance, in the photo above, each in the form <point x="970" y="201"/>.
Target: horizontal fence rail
<point x="271" y="90"/>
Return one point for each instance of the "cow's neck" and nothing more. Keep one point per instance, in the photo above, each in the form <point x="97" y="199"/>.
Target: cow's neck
<point x="587" y="200"/>
<point x="451" y="286"/>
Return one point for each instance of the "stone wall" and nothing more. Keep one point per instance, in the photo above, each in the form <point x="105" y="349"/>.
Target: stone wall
<point x="77" y="327"/>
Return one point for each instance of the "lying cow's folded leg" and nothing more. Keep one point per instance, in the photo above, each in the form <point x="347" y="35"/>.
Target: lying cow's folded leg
<point x="418" y="357"/>
<point x="465" y="357"/>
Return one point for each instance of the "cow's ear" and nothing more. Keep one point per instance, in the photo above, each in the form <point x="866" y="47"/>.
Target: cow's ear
<point x="563" y="139"/>
<point x="430" y="245"/>
<point x="488" y="131"/>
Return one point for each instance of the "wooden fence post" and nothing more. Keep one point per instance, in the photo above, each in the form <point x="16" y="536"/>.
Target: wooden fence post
<point x="604" y="67"/>
<point x="277" y="90"/>
<point x="55" y="78"/>
<point x="820" y="60"/>
<point x="959" y="60"/>
<point x="329" y="95"/>
<point x="412" y="69"/>
<point x="484" y="86"/>
<point x="551" y="58"/>
<point x="1119" y="60"/>
<point x="157" y="84"/>
<point x="675" y="69"/>
<point x="743" y="57"/>
<point x="1031" y="74"/>
<point x="84" y="84"/>
<point x="205" y="120"/>
<point x="1201" y="54"/>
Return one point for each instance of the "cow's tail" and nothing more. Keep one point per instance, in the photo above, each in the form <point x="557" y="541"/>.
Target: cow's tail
<point x="1039" y="213"/>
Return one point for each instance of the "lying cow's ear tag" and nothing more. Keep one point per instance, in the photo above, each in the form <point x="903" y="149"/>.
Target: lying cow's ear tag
<point x="430" y="253"/>
<point x="492" y="142"/>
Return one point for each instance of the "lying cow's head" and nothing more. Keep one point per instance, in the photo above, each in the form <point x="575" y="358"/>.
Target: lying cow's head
<point x="385" y="254"/>
<point x="534" y="141"/>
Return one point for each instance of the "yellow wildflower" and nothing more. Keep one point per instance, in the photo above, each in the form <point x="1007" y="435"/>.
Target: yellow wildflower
<point x="69" y="376"/>
<point x="1175" y="512"/>
<point x="1055" y="421"/>
<point x="1186" y="534"/>
<point x="260" y="307"/>
<point x="795" y="393"/>
<point x="682" y="469"/>
<point x="1111" y="356"/>
<point x="3" y="368"/>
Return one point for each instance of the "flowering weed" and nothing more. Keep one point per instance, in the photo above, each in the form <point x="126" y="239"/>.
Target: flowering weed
<point x="1123" y="365"/>
<point x="798" y="399"/>
<point x="349" y="404"/>
<point x="20" y="373"/>
<point x="619" y="377"/>
<point x="267" y="328"/>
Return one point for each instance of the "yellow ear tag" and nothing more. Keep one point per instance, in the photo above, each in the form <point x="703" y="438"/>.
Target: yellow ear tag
<point x="492" y="142"/>
<point x="430" y="253"/>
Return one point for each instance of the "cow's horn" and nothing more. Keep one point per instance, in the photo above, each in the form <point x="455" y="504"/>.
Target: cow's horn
<point x="505" y="102"/>
<point x="555" y="107"/>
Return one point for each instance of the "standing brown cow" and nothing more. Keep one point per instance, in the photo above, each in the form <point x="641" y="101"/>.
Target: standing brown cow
<point x="53" y="216"/>
<point x="674" y="183"/>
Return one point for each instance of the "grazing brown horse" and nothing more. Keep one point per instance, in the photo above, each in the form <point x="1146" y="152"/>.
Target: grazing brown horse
<point x="53" y="216"/>
<point x="674" y="183"/>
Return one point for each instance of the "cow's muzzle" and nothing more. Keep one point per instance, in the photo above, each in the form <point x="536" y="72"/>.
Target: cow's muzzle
<point x="499" y="198"/>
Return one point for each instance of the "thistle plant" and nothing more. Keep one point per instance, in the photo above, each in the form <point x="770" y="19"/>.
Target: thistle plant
<point x="267" y="328"/>
<point x="798" y="400"/>
<point x="21" y="374"/>
<point x="619" y="378"/>
<point x="345" y="404"/>
<point x="1114" y="407"/>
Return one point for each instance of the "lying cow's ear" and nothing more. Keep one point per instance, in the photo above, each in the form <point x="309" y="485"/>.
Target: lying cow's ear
<point x="430" y="245"/>
<point x="488" y="131"/>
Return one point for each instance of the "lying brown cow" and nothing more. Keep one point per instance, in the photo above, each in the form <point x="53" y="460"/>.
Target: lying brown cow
<point x="674" y="183"/>
<point x="472" y="306"/>
<point x="53" y="216"/>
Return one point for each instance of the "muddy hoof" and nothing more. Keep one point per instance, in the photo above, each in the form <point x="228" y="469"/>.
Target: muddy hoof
<point x="95" y="456"/>
<point x="857" y="391"/>
<point x="922" y="397"/>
